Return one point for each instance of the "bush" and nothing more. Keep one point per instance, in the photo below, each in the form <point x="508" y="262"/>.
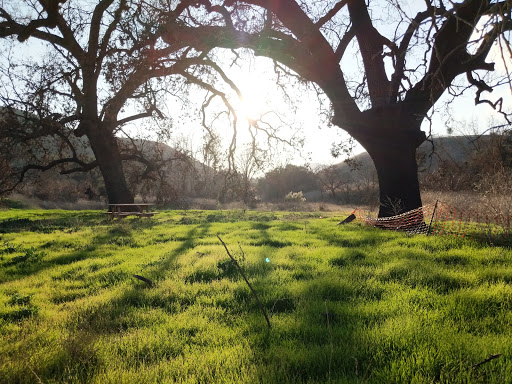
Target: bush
<point x="9" y="203"/>
<point x="295" y="197"/>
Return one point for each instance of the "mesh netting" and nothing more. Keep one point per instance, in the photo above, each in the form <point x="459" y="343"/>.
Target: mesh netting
<point x="441" y="219"/>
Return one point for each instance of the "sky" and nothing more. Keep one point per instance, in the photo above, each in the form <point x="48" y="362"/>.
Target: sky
<point x="261" y="96"/>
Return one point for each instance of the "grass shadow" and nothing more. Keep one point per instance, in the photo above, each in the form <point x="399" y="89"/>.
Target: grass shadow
<point x="68" y="222"/>
<point x="108" y="317"/>
<point x="31" y="262"/>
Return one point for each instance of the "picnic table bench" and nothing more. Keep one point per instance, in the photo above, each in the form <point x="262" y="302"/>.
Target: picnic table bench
<point x="121" y="211"/>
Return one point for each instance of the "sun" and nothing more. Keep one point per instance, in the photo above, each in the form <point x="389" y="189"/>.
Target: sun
<point x="249" y="107"/>
<point x="252" y="103"/>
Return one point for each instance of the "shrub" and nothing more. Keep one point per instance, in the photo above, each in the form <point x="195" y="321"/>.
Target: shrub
<point x="295" y="197"/>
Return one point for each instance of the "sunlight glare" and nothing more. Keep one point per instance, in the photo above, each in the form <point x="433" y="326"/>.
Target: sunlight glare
<point x="251" y="105"/>
<point x="249" y="109"/>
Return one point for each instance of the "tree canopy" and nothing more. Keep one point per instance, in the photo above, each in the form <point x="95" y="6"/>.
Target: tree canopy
<point x="282" y="180"/>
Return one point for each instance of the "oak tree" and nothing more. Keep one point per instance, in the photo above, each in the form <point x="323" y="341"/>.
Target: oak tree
<point x="74" y="74"/>
<point x="383" y="65"/>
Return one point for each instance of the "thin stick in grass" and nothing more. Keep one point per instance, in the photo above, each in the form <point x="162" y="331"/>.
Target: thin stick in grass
<point x="492" y="357"/>
<point x="247" y="281"/>
<point x="330" y="340"/>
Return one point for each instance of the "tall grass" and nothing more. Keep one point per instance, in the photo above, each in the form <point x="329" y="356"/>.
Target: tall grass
<point x="348" y="304"/>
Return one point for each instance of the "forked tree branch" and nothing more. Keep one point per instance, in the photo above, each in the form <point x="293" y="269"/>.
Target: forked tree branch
<point x="481" y="87"/>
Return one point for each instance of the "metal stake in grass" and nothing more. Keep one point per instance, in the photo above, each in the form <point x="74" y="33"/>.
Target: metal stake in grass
<point x="247" y="281"/>
<point x="330" y="340"/>
<point x="432" y="219"/>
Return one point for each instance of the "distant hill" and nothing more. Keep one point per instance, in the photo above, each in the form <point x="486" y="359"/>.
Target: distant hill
<point x="180" y="175"/>
<point x="456" y="149"/>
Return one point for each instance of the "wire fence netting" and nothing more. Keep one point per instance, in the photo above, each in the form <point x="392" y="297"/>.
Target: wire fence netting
<point x="442" y="220"/>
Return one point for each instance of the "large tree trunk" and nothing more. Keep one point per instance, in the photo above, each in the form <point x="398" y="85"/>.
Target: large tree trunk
<point x="397" y="172"/>
<point x="393" y="151"/>
<point x="391" y="136"/>
<point x="106" y="150"/>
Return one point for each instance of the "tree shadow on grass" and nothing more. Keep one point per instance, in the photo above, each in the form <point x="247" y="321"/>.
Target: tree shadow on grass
<point x="356" y="237"/>
<point x="68" y="222"/>
<point x="316" y="336"/>
<point x="25" y="264"/>
<point x="189" y="241"/>
<point x="87" y="326"/>
<point x="320" y="327"/>
<point x="314" y="331"/>
<point x="136" y="294"/>
<point x="319" y="331"/>
<point x="265" y="239"/>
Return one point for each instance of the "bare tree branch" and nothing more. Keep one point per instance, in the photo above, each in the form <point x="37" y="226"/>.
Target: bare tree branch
<point x="332" y="12"/>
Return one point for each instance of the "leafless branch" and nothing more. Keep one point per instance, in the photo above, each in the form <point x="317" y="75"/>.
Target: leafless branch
<point x="332" y="12"/>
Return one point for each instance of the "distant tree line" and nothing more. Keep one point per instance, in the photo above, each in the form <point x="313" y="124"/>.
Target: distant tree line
<point x="481" y="164"/>
<point x="471" y="163"/>
<point x="188" y="179"/>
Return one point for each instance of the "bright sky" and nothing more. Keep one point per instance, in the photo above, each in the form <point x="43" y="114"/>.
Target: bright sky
<point x="261" y="97"/>
<point x="256" y="82"/>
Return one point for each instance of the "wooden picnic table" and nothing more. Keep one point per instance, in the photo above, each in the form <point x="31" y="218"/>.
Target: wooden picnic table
<point x="123" y="210"/>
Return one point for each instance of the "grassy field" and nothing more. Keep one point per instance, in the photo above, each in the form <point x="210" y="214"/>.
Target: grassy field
<point x="347" y="304"/>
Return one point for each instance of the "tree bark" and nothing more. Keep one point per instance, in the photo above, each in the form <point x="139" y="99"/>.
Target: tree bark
<point x="397" y="172"/>
<point x="106" y="151"/>
<point x="392" y="147"/>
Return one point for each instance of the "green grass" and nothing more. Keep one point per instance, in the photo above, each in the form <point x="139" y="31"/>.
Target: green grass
<point x="347" y="304"/>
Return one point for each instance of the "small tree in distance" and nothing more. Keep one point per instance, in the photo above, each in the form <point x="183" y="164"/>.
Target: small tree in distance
<point x="331" y="178"/>
<point x="276" y="184"/>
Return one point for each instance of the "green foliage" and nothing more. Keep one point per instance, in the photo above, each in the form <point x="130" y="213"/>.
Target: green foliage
<point x="9" y="204"/>
<point x="19" y="299"/>
<point x="348" y="304"/>
<point x="278" y="182"/>
<point x="30" y="255"/>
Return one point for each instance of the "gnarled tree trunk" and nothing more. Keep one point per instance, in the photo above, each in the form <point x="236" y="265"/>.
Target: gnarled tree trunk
<point x="397" y="172"/>
<point x="392" y="148"/>
<point x="106" y="151"/>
